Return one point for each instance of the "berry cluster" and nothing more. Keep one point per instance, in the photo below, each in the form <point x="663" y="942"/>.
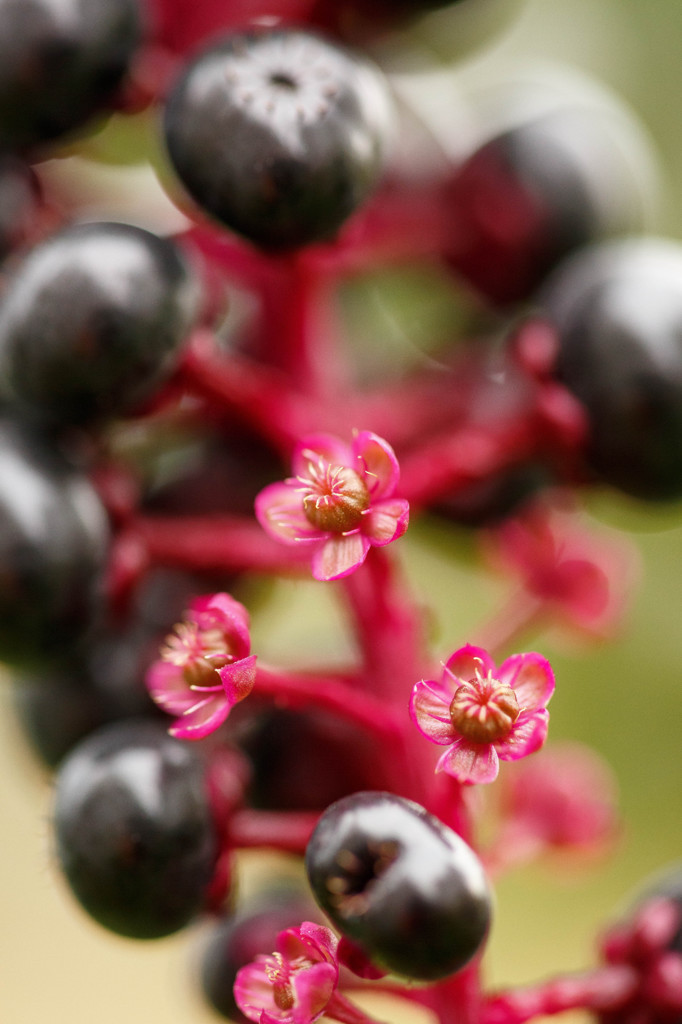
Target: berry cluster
<point x="184" y="420"/>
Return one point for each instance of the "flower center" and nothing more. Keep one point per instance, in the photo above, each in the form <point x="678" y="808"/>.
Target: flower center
<point x="334" y="498"/>
<point x="198" y="652"/>
<point x="278" y="975"/>
<point x="484" y="710"/>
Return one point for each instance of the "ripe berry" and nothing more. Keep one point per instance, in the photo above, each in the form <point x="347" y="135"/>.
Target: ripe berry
<point x="92" y="322"/>
<point x="400" y="884"/>
<point x="534" y="193"/>
<point x="102" y="683"/>
<point x="305" y="760"/>
<point x="239" y="939"/>
<point x="618" y="313"/>
<point x="278" y="134"/>
<point x="53" y="546"/>
<point x="60" y="63"/>
<point x="135" y="837"/>
<point x="19" y="201"/>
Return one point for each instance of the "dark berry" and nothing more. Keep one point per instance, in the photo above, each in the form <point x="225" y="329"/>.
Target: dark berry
<point x="400" y="884"/>
<point x="210" y="473"/>
<point x="304" y="761"/>
<point x="490" y="501"/>
<point x="92" y="321"/>
<point x="102" y="683"/>
<point x="19" y="202"/>
<point x="278" y="134"/>
<point x="135" y="837"/>
<point x="618" y="313"/>
<point x="239" y="939"/>
<point x="666" y="886"/>
<point x="533" y="194"/>
<point x="53" y="547"/>
<point x="60" y="63"/>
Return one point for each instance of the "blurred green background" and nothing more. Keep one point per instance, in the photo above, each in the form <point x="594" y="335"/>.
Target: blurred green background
<point x="624" y="698"/>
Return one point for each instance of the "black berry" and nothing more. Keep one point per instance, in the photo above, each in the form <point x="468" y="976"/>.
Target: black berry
<point x="400" y="884"/>
<point x="92" y="322"/>
<point x="53" y="547"/>
<point x="60" y="63"/>
<point x="19" y="202"/>
<point x="135" y="837"/>
<point x="238" y="939"/>
<point x="305" y="760"/>
<point x="278" y="134"/>
<point x="103" y="682"/>
<point x="618" y="313"/>
<point x="534" y="193"/>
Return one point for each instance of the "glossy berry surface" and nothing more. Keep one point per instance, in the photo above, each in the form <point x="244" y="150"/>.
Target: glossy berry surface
<point x="103" y="682"/>
<point x="534" y="193"/>
<point x="400" y="884"/>
<point x="618" y="313"/>
<point x="134" y="833"/>
<point x="60" y="62"/>
<point x="19" y="200"/>
<point x="279" y="135"/>
<point x="92" y="321"/>
<point x="238" y="939"/>
<point x="305" y="761"/>
<point x="53" y="547"/>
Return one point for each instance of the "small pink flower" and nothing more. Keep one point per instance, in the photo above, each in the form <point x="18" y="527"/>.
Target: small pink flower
<point x="205" y="667"/>
<point x="566" y="798"/>
<point x="293" y="985"/>
<point x="340" y="501"/>
<point x="482" y="713"/>
<point x="583" y="576"/>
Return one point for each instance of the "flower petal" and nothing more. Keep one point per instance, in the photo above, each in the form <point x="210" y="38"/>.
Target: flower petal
<point x="230" y="615"/>
<point x="206" y="716"/>
<point x="320" y="941"/>
<point x="169" y="689"/>
<point x="530" y="676"/>
<point x="266" y="1018"/>
<point x="467" y="661"/>
<point x="380" y="466"/>
<point x="339" y="556"/>
<point x="320" y="447"/>
<point x="430" y="711"/>
<point x="470" y="762"/>
<point x="279" y="510"/>
<point x="253" y="991"/>
<point x="238" y="678"/>
<point x="386" y="521"/>
<point x="528" y="734"/>
<point x="313" y="987"/>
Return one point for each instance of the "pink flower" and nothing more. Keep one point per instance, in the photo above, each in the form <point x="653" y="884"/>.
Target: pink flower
<point x="205" y="667"/>
<point x="583" y="576"/>
<point x="340" y="501"/>
<point x="565" y="798"/>
<point x="293" y="985"/>
<point x="481" y="713"/>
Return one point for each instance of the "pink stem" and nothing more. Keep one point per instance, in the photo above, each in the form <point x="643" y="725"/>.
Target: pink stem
<point x="604" y="989"/>
<point x="399" y="225"/>
<point x="519" y="615"/>
<point x="333" y="693"/>
<point x="390" y="633"/>
<point x="215" y="543"/>
<point x="288" y="831"/>
<point x="307" y="341"/>
<point x="341" y="1009"/>
<point x="457" y="1000"/>
<point x="388" y="626"/>
<point x="463" y="456"/>
<point x="261" y="396"/>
